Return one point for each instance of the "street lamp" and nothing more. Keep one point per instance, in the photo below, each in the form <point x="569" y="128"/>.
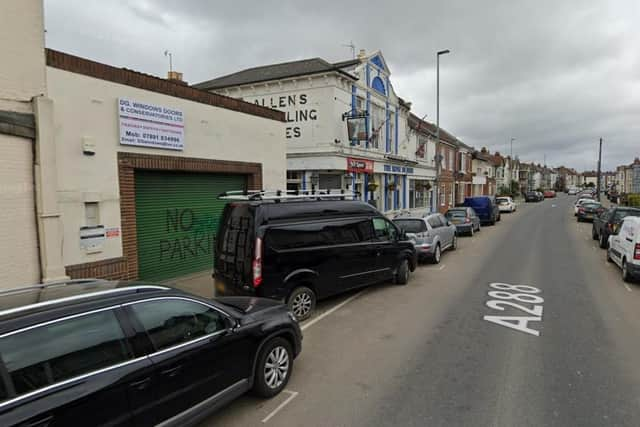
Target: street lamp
<point x="511" y="164"/>
<point x="438" y="159"/>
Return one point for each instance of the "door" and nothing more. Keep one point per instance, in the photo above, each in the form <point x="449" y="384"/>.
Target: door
<point x="437" y="230"/>
<point x="386" y="249"/>
<point x="196" y="356"/>
<point x="177" y="216"/>
<point x="447" y="231"/>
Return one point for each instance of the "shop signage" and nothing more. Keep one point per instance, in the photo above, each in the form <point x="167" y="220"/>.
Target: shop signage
<point x="357" y="128"/>
<point x="148" y="125"/>
<point x="359" y="165"/>
<point x="398" y="169"/>
<point x="479" y="180"/>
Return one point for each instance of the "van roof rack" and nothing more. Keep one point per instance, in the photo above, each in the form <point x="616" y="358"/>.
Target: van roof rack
<point x="279" y="195"/>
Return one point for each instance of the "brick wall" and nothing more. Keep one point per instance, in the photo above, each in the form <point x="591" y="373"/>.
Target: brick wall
<point x="126" y="267"/>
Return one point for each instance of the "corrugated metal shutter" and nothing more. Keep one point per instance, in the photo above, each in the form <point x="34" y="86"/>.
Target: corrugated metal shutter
<point x="177" y="217"/>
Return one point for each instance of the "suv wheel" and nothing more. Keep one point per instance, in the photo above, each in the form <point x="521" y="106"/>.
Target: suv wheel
<point x="609" y="259"/>
<point x="274" y="368"/>
<point x="472" y="230"/>
<point x="436" y="255"/>
<point x="402" y="275"/>
<point x="603" y="242"/>
<point x="454" y="243"/>
<point x="302" y="302"/>
<point x="594" y="235"/>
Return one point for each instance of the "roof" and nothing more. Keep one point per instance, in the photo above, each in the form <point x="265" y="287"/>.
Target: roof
<point x="30" y="299"/>
<point x="417" y="123"/>
<point x="75" y="64"/>
<point x="277" y="72"/>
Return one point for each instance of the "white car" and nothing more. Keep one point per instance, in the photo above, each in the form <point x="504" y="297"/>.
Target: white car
<point x="506" y="204"/>
<point x="579" y="203"/>
<point x="573" y="191"/>
<point x="624" y="248"/>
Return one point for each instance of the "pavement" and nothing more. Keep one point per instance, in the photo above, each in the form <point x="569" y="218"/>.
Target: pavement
<point x="426" y="355"/>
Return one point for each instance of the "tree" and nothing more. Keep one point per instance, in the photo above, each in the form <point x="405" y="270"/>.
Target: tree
<point x="504" y="191"/>
<point x="590" y="184"/>
<point x="515" y="188"/>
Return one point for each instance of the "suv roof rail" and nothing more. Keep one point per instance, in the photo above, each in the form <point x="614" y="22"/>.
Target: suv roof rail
<point x="279" y="195"/>
<point x="56" y="283"/>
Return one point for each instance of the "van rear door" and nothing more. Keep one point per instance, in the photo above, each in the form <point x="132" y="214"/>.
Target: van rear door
<point x="234" y="249"/>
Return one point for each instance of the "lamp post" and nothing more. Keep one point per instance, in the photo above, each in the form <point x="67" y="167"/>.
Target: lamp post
<point x="511" y="163"/>
<point x="438" y="157"/>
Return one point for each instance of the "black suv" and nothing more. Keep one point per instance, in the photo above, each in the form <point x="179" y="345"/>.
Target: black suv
<point x="608" y="222"/>
<point x="300" y="250"/>
<point x="93" y="352"/>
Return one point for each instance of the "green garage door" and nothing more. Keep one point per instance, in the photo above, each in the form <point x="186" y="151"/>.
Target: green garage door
<point x="177" y="217"/>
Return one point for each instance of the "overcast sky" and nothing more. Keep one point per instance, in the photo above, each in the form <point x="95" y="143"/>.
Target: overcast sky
<point x="555" y="75"/>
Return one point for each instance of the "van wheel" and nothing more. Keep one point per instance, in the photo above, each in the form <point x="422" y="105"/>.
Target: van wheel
<point x="302" y="302"/>
<point x="609" y="259"/>
<point x="402" y="275"/>
<point x="625" y="271"/>
<point x="274" y="368"/>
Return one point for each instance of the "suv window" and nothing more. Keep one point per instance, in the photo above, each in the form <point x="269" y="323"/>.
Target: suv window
<point x="62" y="350"/>
<point x="411" y="225"/>
<point x="319" y="234"/>
<point x="176" y="321"/>
<point x="434" y="222"/>
<point x="383" y="229"/>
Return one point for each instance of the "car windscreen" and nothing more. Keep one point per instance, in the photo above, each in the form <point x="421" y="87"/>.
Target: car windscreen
<point x="411" y="225"/>
<point x="502" y="200"/>
<point x="591" y="205"/>
<point x="457" y="213"/>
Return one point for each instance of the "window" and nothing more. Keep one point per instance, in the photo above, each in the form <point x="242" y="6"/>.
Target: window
<point x="172" y="322"/>
<point x="434" y="221"/>
<point x="383" y="229"/>
<point x="412" y="225"/>
<point x="377" y="126"/>
<point x="451" y="159"/>
<point x="422" y="147"/>
<point x="62" y="350"/>
<point x="319" y="234"/>
<point x="91" y="217"/>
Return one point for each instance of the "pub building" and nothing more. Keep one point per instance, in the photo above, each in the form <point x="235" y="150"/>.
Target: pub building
<point x="346" y="128"/>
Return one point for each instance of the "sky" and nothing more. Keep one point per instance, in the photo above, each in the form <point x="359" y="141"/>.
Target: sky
<point x="555" y="75"/>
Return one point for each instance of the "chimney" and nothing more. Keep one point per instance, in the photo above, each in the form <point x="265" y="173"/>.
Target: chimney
<point x="362" y="54"/>
<point x="484" y="150"/>
<point x="176" y="77"/>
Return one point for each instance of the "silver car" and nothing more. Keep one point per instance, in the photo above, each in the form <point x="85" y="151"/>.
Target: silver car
<point x="431" y="235"/>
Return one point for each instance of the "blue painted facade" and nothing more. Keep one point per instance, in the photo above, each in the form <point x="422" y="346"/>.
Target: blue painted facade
<point x="378" y="84"/>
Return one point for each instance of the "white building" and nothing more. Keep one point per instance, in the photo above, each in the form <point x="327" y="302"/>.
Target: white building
<point x="112" y="173"/>
<point x="380" y="159"/>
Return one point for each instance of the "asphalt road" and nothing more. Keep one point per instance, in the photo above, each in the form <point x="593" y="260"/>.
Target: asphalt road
<point x="423" y="354"/>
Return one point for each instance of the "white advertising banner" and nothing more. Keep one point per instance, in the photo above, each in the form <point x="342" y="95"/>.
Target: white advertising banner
<point x="148" y="125"/>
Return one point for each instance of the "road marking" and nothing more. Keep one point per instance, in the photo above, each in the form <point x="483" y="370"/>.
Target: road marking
<point x="525" y="295"/>
<point x="627" y="286"/>
<point x="282" y="405"/>
<point x="328" y="312"/>
<point x="442" y="267"/>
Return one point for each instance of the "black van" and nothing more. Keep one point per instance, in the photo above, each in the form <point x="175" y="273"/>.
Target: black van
<point x="299" y="249"/>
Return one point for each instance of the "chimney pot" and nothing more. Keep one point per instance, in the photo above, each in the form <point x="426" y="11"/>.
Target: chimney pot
<point x="362" y="54"/>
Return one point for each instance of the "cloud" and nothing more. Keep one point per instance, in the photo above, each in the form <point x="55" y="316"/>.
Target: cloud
<point x="556" y="75"/>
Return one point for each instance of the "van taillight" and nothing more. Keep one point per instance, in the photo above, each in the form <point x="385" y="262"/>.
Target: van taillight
<point x="636" y="254"/>
<point x="257" y="263"/>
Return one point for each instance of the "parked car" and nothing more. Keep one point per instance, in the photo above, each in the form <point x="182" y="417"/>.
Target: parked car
<point x="431" y="235"/>
<point x="300" y="251"/>
<point x="586" y="194"/>
<point x="549" y="194"/>
<point x="588" y="211"/>
<point x="506" y="204"/>
<point x="465" y="219"/>
<point x="579" y="203"/>
<point x="114" y="353"/>
<point x="608" y="223"/>
<point x="572" y="191"/>
<point x="485" y="207"/>
<point x="532" y="196"/>
<point x="624" y="248"/>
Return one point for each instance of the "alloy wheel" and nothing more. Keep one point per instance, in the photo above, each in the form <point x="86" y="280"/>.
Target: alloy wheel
<point x="436" y="256"/>
<point x="276" y="367"/>
<point x="301" y="304"/>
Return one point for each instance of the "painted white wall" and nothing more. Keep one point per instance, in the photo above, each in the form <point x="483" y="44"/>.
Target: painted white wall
<point x="86" y="108"/>
<point x="22" y="74"/>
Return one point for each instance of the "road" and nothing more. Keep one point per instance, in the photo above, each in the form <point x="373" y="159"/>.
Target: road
<point x="423" y="355"/>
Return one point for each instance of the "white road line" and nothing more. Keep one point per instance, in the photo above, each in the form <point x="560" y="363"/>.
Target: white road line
<point x="328" y="312"/>
<point x="627" y="286"/>
<point x="282" y="405"/>
<point x="442" y="267"/>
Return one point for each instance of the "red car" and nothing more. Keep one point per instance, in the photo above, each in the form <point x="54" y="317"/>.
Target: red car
<point x="549" y="194"/>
